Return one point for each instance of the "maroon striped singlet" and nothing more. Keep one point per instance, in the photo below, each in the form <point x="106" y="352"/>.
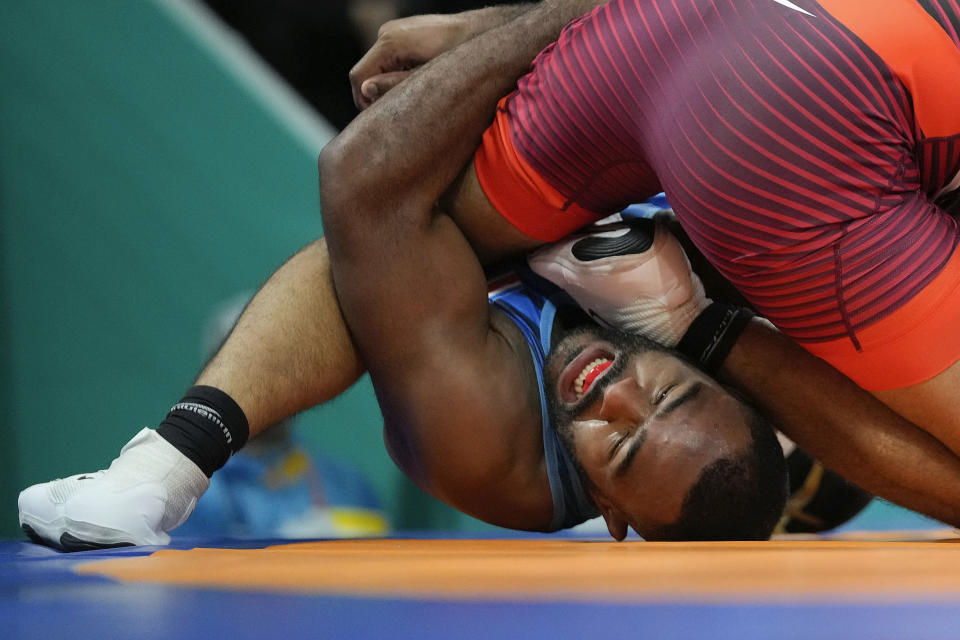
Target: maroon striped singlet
<point x="792" y="151"/>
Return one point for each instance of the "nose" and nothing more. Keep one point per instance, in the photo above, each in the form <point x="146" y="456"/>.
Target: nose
<point x="621" y="400"/>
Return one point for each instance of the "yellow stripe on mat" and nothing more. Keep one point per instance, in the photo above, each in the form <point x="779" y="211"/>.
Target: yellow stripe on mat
<point x="565" y="569"/>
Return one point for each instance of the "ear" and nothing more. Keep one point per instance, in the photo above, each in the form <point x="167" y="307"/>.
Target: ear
<point x="616" y="523"/>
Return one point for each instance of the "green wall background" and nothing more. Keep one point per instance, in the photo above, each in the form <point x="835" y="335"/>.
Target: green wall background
<point x="142" y="183"/>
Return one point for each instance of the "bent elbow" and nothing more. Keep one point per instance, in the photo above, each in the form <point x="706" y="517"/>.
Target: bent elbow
<point x="340" y="187"/>
<point x="352" y="179"/>
<point x="351" y="164"/>
<point x="334" y="182"/>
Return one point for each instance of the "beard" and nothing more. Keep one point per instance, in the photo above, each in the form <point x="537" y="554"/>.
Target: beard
<point x="625" y="346"/>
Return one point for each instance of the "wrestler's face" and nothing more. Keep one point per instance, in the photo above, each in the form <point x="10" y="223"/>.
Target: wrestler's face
<point x="642" y="423"/>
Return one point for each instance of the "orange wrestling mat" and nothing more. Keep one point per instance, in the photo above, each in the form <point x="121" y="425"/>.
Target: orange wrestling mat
<point x="550" y="569"/>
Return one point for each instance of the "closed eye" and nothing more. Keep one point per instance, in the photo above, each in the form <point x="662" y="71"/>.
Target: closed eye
<point x="635" y="444"/>
<point x="616" y="446"/>
<point x="680" y="400"/>
<point x="663" y="394"/>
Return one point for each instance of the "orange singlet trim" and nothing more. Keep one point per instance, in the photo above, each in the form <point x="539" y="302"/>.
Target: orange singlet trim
<point x="922" y="338"/>
<point x="918" y="51"/>
<point x="518" y="192"/>
<point x="913" y="344"/>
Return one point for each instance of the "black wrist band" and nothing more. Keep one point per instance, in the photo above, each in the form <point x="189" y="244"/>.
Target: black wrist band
<point x="207" y="426"/>
<point x="713" y="333"/>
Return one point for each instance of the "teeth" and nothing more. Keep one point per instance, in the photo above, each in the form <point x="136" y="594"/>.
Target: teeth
<point x="578" y="383"/>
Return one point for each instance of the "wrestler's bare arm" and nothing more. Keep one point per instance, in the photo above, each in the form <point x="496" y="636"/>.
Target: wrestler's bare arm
<point x="404" y="45"/>
<point x="843" y="426"/>
<point x="451" y="386"/>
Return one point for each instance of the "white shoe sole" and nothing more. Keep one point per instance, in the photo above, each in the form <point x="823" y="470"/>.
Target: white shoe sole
<point x="69" y="535"/>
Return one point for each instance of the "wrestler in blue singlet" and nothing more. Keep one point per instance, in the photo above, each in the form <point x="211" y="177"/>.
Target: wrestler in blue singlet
<point x="531" y="303"/>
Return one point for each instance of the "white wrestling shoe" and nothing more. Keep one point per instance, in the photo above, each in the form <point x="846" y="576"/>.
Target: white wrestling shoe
<point x="150" y="489"/>
<point x="632" y="276"/>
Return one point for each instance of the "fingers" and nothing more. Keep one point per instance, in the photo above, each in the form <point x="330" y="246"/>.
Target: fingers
<point x="373" y="88"/>
<point x="403" y="45"/>
<point x="373" y="62"/>
<point x="397" y="50"/>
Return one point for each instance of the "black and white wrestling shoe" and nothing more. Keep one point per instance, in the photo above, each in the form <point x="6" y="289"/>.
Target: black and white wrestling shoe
<point x="148" y="490"/>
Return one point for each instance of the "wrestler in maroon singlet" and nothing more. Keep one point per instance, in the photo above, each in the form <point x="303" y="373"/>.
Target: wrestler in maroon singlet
<point x="809" y="166"/>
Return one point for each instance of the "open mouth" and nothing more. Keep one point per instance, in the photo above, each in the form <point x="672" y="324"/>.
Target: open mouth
<point x="583" y="372"/>
<point x="590" y="373"/>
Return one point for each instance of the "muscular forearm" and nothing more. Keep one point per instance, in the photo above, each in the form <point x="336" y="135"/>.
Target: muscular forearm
<point x="844" y="426"/>
<point x="410" y="145"/>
